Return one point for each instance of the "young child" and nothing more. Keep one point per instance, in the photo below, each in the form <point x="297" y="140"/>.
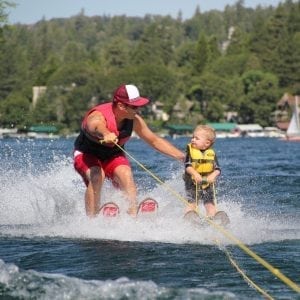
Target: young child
<point x="201" y="169"/>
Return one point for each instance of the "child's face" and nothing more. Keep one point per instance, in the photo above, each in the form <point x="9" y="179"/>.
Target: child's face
<point x="200" y="141"/>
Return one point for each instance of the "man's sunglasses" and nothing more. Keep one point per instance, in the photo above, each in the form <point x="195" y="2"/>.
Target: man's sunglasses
<point x="132" y="107"/>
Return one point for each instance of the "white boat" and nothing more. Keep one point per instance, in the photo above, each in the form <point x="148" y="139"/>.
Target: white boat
<point x="293" y="131"/>
<point x="273" y="132"/>
<point x="250" y="130"/>
<point x="222" y="135"/>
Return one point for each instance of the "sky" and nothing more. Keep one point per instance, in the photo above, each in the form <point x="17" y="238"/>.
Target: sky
<point x="32" y="11"/>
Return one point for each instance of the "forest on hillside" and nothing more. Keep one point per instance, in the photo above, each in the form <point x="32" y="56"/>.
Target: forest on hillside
<point x="237" y="60"/>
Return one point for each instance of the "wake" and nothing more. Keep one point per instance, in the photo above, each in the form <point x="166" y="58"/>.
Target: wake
<point x="50" y="204"/>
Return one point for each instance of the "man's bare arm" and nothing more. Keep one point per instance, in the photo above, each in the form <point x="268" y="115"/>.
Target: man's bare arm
<point x="155" y="141"/>
<point x="96" y="125"/>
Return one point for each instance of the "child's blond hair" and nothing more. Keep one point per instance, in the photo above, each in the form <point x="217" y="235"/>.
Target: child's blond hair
<point x="209" y="132"/>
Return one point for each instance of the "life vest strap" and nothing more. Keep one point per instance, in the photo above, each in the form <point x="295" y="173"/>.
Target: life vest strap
<point x="202" y="161"/>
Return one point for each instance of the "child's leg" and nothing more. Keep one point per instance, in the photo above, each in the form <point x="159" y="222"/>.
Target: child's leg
<point x="190" y="191"/>
<point x="210" y="209"/>
<point x="190" y="207"/>
<point x="209" y="203"/>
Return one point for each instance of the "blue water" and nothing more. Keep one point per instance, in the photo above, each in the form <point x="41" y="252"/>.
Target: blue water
<point x="49" y="249"/>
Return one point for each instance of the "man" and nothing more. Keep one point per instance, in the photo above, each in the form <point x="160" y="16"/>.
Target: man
<point x="96" y="154"/>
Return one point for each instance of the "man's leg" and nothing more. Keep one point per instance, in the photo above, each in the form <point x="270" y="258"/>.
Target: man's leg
<point x="124" y="178"/>
<point x="95" y="177"/>
<point x="90" y="169"/>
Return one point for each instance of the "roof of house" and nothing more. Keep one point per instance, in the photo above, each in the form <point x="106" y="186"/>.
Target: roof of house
<point x="227" y="126"/>
<point x="286" y="99"/>
<point x="249" y="127"/>
<point x="180" y="127"/>
<point x="43" y="129"/>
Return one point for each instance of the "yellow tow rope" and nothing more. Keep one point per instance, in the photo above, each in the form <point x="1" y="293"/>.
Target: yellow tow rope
<point x="236" y="266"/>
<point x="221" y="229"/>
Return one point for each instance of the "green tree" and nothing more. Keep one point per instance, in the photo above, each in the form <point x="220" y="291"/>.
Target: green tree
<point x="44" y="72"/>
<point x="116" y="53"/>
<point x="185" y="57"/>
<point x="230" y="65"/>
<point x="82" y="59"/>
<point x="155" y="81"/>
<point x="271" y="41"/>
<point x="201" y="54"/>
<point x="3" y="13"/>
<point x="45" y="111"/>
<point x="239" y="43"/>
<point x="207" y="90"/>
<point x="155" y="46"/>
<point x="213" y="49"/>
<point x="261" y="95"/>
<point x="14" y="64"/>
<point x="74" y="52"/>
<point x="15" y="111"/>
<point x="215" y="111"/>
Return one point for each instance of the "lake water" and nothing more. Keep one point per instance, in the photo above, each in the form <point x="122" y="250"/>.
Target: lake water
<point x="49" y="249"/>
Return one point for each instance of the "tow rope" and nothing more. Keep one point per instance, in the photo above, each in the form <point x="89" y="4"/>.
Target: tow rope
<point x="226" y="233"/>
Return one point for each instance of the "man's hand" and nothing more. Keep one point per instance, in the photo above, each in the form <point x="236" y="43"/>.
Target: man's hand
<point x="109" y="137"/>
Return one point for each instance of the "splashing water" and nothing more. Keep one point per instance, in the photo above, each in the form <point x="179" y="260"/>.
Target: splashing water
<point x="51" y="204"/>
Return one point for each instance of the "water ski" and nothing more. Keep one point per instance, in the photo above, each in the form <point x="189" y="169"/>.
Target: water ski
<point x="221" y="218"/>
<point x="148" y="206"/>
<point x="109" y="209"/>
<point x="192" y="217"/>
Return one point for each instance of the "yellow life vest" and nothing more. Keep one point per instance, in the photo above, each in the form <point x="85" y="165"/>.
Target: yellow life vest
<point x="202" y="162"/>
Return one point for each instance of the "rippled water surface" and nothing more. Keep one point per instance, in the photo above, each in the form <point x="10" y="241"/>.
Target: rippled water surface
<point x="49" y="249"/>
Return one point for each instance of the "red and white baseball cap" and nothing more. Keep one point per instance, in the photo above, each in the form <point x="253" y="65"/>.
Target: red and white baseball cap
<point x="129" y="94"/>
